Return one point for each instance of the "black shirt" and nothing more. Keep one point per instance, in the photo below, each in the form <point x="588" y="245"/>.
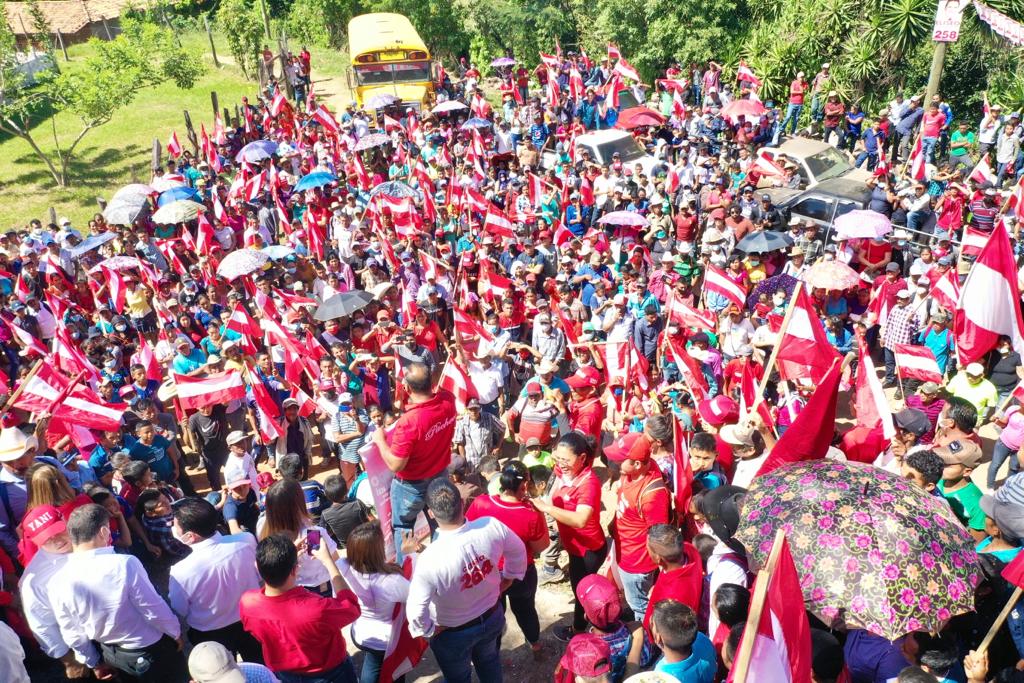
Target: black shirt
<point x="341" y="519"/>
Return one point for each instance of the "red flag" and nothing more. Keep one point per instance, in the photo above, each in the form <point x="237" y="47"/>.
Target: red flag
<point x="322" y="116"/>
<point x="678" y="311"/>
<point x="241" y="322"/>
<point x="613" y="52"/>
<point x="989" y="301"/>
<point x="196" y="392"/>
<point x="498" y="285"/>
<point x="917" y="362"/>
<point x="682" y="471"/>
<point x="745" y="73"/>
<point x="946" y="290"/>
<point x="804" y="349"/>
<point x="810" y="435"/>
<point x="575" y="84"/>
<point x="550" y="61"/>
<point x="782" y="647"/>
<point x="145" y="357"/>
<point x="749" y="398"/>
<point x="403" y="652"/>
<point x="917" y="161"/>
<point x="973" y="242"/>
<point x="869" y="401"/>
<point x="278" y="103"/>
<point x="455" y="381"/>
<point x="173" y="146"/>
<point x="470" y="327"/>
<point x="983" y="172"/>
<point x="82" y="406"/>
<point x="626" y="70"/>
<point x="116" y="288"/>
<point x="498" y="223"/>
<point x="205" y="238"/>
<point x="715" y="280"/>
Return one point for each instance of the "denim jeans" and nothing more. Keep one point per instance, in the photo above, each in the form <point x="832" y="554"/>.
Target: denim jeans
<point x="372" y="662"/>
<point x="928" y="148"/>
<point x="408" y="499"/>
<point x="890" y="366"/>
<point x="343" y="673"/>
<point x="792" y="113"/>
<point x="1000" y="454"/>
<point x="459" y="652"/>
<point x="637" y="588"/>
<point x="872" y="160"/>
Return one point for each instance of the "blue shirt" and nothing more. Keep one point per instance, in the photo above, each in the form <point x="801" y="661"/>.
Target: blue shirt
<point x="873" y="659"/>
<point x="155" y="455"/>
<point x="700" y="667"/>
<point x="940" y="344"/>
<point x="539" y="134"/>
<point x="872" y="140"/>
<point x="190" y="363"/>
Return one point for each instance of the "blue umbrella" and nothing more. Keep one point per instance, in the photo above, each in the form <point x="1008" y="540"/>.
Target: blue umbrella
<point x="176" y="193"/>
<point x="314" y="179"/>
<point x="476" y="122"/>
<point x="395" y="188"/>
<point x="257" y="151"/>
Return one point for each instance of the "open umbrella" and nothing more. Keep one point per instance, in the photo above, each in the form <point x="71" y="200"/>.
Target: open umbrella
<point x="872" y="549"/>
<point x="343" y="304"/>
<point x="771" y="285"/>
<point x="91" y="242"/>
<point x="862" y="224"/>
<point x="447" y="106"/>
<point x="125" y="210"/>
<point x="117" y="263"/>
<point x="314" y="179"/>
<point x="738" y="108"/>
<point x="624" y="218"/>
<point x="831" y="275"/>
<point x="241" y="262"/>
<point x="278" y="251"/>
<point x="370" y="141"/>
<point x="132" y="190"/>
<point x="380" y="101"/>
<point x="476" y="122"/>
<point x="763" y="241"/>
<point x="166" y="182"/>
<point x="395" y="188"/>
<point x="503" y="61"/>
<point x="176" y="193"/>
<point x="257" y="151"/>
<point x="180" y="211"/>
<point x="635" y="117"/>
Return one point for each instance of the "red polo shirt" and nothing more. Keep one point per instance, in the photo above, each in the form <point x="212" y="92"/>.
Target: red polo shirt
<point x="423" y="435"/>
<point x="643" y="502"/>
<point x="524" y="520"/>
<point x="684" y="584"/>
<point x="586" y="416"/>
<point x="584" y="490"/>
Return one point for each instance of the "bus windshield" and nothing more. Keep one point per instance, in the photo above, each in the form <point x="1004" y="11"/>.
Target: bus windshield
<point x="403" y="72"/>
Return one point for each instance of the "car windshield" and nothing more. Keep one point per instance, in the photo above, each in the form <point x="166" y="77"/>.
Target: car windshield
<point x="406" y="72"/>
<point x="628" y="149"/>
<point x="828" y="163"/>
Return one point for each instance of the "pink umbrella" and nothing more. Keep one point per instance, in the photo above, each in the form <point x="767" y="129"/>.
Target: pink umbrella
<point x="738" y="108"/>
<point x="831" y="275"/>
<point x="862" y="224"/>
<point x="624" y="218"/>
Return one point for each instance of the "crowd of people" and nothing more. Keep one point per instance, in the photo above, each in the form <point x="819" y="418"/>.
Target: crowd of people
<point x="406" y="366"/>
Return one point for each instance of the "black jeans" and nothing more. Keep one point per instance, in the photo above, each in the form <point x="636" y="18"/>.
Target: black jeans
<point x="235" y="638"/>
<point x="160" y="662"/>
<point x="521" y="597"/>
<point x="580" y="567"/>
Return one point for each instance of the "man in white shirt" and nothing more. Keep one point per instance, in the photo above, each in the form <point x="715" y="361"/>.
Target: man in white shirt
<point x="45" y="527"/>
<point x="205" y="588"/>
<point x="456" y="587"/>
<point x="101" y="597"/>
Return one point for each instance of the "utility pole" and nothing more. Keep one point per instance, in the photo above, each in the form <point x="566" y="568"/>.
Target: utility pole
<point x="266" y="19"/>
<point x="935" y="74"/>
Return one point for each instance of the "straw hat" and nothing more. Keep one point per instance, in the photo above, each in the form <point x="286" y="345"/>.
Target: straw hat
<point x="14" y="444"/>
<point x="167" y="391"/>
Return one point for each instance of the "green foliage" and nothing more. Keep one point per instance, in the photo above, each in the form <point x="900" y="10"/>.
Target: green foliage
<point x="440" y="24"/>
<point x="320" y="22"/>
<point x="242" y="24"/>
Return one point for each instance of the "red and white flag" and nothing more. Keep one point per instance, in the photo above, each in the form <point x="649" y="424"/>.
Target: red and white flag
<point x="550" y="61"/>
<point x="493" y="283"/>
<point x="804" y="350"/>
<point x="197" y="392"/>
<point x="869" y="401"/>
<point x="403" y="652"/>
<point x="746" y="74"/>
<point x="575" y="84"/>
<point x="624" y="362"/>
<point x="498" y="223"/>
<point x="686" y="316"/>
<point x="205" y="237"/>
<point x="678" y="107"/>
<point x="768" y="167"/>
<point x="989" y="301"/>
<point x="145" y="357"/>
<point x="324" y="117"/>
<point x="946" y="290"/>
<point x="782" y="641"/>
<point x="917" y="362"/>
<point x="613" y="52"/>
<point x="715" y="280"/>
<point x="455" y="381"/>
<point x="173" y="146"/>
<point x="470" y="327"/>
<point x="917" y="161"/>
<point x="26" y="339"/>
<point x="682" y="471"/>
<point x="983" y="173"/>
<point x="626" y="70"/>
<point x="116" y="287"/>
<point x="278" y="103"/>
<point x="81" y="407"/>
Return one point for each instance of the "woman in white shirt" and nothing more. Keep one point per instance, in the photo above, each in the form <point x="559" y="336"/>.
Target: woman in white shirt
<point x="380" y="586"/>
<point x="286" y="514"/>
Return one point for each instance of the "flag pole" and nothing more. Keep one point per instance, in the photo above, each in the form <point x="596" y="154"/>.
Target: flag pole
<point x="775" y="350"/>
<point x="998" y="624"/>
<point x="21" y="387"/>
<point x="741" y="666"/>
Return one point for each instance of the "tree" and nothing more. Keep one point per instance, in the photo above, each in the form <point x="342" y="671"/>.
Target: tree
<point x="242" y="24"/>
<point x="321" y="22"/>
<point x="143" y="56"/>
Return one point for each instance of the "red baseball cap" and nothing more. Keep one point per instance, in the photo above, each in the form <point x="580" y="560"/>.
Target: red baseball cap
<point x="534" y="388"/>
<point x="718" y="410"/>
<point x="632" y="446"/>
<point x="43" y="523"/>
<point x="587" y="655"/>
<point x="600" y="600"/>
<point x="585" y="377"/>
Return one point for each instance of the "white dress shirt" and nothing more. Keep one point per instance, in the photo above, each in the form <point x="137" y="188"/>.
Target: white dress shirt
<point x="12" y="656"/>
<point x="378" y="594"/>
<point x="35" y="598"/>
<point x="206" y="587"/>
<point x="457" y="577"/>
<point x="104" y="597"/>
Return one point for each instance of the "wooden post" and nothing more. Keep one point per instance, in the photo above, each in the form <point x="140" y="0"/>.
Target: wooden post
<point x="171" y="28"/>
<point x="775" y="349"/>
<point x="227" y="117"/>
<point x="998" y="623"/>
<point x="53" y="215"/>
<point x="215" y="103"/>
<point x="190" y="132"/>
<point x="741" y="665"/>
<point x="213" y="48"/>
<point x="63" y="48"/>
<point x="266" y="19"/>
<point x="156" y="162"/>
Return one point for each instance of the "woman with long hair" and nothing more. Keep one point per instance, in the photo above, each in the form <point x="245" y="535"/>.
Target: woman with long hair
<point x="575" y="505"/>
<point x="512" y="507"/>
<point x="286" y="514"/>
<point x="47" y="486"/>
<point x="379" y="585"/>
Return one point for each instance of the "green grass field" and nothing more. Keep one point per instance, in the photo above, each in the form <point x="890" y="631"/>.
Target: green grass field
<point x="121" y="151"/>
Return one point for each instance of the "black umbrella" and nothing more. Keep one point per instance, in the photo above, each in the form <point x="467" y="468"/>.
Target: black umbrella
<point x="763" y="241"/>
<point x="343" y="304"/>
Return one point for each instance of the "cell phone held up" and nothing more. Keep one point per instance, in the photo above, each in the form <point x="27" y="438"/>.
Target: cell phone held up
<point x="312" y="540"/>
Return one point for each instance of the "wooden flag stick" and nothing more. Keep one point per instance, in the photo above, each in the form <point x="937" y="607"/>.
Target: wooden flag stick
<point x="742" y="664"/>
<point x="21" y="387"/>
<point x="1007" y="608"/>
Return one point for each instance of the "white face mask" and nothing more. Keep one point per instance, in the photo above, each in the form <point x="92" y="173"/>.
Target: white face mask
<point x="922" y="290"/>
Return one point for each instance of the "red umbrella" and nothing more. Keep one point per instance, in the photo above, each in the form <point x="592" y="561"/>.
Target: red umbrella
<point x="634" y="117"/>
<point x="738" y="108"/>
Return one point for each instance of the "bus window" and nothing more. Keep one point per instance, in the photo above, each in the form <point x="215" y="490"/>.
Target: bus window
<point x="405" y="72"/>
<point x="374" y="74"/>
<point x="412" y="72"/>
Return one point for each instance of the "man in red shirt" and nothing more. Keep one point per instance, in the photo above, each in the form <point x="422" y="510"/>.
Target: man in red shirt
<point x="796" y="102"/>
<point x="682" y="572"/>
<point x="300" y="631"/>
<point x="643" y="501"/>
<point x="585" y="410"/>
<point x="418" y="449"/>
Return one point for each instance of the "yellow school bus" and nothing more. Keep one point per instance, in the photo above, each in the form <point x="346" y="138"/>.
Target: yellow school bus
<point x="388" y="57"/>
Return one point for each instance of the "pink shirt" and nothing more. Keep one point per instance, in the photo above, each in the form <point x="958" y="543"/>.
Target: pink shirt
<point x="1012" y="435"/>
<point x="932" y="124"/>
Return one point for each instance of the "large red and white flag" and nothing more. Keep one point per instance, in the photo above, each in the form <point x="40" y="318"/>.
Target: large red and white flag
<point x="917" y="362"/>
<point x="197" y="392"/>
<point x="715" y="280"/>
<point x="973" y="241"/>
<point x="869" y="401"/>
<point x="575" y="84"/>
<point x="946" y="290"/>
<point x="498" y="223"/>
<point x="145" y="357"/>
<point x="804" y="350"/>
<point x="622" y="361"/>
<point x="403" y="652"/>
<point x="81" y="407"/>
<point x="917" y="161"/>
<point x="322" y="116"/>
<point x="173" y="146"/>
<point x="26" y="339"/>
<point x="550" y="61"/>
<point x="687" y="316"/>
<point x="746" y="74"/>
<point x="470" y="327"/>
<point x="278" y="103"/>
<point x="682" y="470"/>
<point x="626" y="70"/>
<point x="782" y="641"/>
<point x="983" y="173"/>
<point x="768" y="167"/>
<point x="989" y="301"/>
<point x="116" y="287"/>
<point x="613" y="52"/>
<point x="493" y="283"/>
<point x="455" y="381"/>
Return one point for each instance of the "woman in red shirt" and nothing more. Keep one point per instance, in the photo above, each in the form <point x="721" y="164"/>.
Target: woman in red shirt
<point x="512" y="508"/>
<point x="428" y="334"/>
<point x="575" y="505"/>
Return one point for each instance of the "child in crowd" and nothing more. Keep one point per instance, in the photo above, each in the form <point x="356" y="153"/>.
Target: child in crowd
<point x="704" y="461"/>
<point x="240" y="463"/>
<point x="344" y="513"/>
<point x="600" y="600"/>
<point x="489" y="471"/>
<point x="924" y="468"/>
<point x="468" y="489"/>
<point x="153" y="509"/>
<point x="290" y="467"/>
<point x="687" y="654"/>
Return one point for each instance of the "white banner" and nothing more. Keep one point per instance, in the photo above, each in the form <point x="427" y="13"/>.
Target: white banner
<point x="1000" y="23"/>
<point x="379" y="477"/>
<point x="948" y="15"/>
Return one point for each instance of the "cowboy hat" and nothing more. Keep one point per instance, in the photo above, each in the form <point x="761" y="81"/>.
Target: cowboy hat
<point x="14" y="444"/>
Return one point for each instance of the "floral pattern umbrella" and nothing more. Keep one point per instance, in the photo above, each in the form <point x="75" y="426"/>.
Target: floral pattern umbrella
<point x="241" y="262"/>
<point x="831" y="275"/>
<point x="873" y="550"/>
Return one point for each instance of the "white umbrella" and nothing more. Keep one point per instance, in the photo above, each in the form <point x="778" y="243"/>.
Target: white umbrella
<point x="180" y="211"/>
<point x="241" y="262"/>
<point x="862" y="224"/>
<point x="448" y="105"/>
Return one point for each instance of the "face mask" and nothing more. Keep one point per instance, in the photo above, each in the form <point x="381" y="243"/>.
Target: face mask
<point x="1004" y="350"/>
<point x="754" y="263"/>
<point x="779" y="300"/>
<point x="175" y="533"/>
<point x="494" y="329"/>
<point x="121" y="328"/>
<point x="673" y="330"/>
<point x="617" y="391"/>
<point x="922" y="290"/>
<point x="345" y="408"/>
<point x="110" y="365"/>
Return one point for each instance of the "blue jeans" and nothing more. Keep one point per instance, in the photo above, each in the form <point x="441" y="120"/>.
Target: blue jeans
<point x="1000" y="454"/>
<point x="372" y="662"/>
<point x="872" y="160"/>
<point x="928" y="148"/>
<point x="792" y="114"/>
<point x="637" y="588"/>
<point x="343" y="673"/>
<point x="408" y="499"/>
<point x="459" y="652"/>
